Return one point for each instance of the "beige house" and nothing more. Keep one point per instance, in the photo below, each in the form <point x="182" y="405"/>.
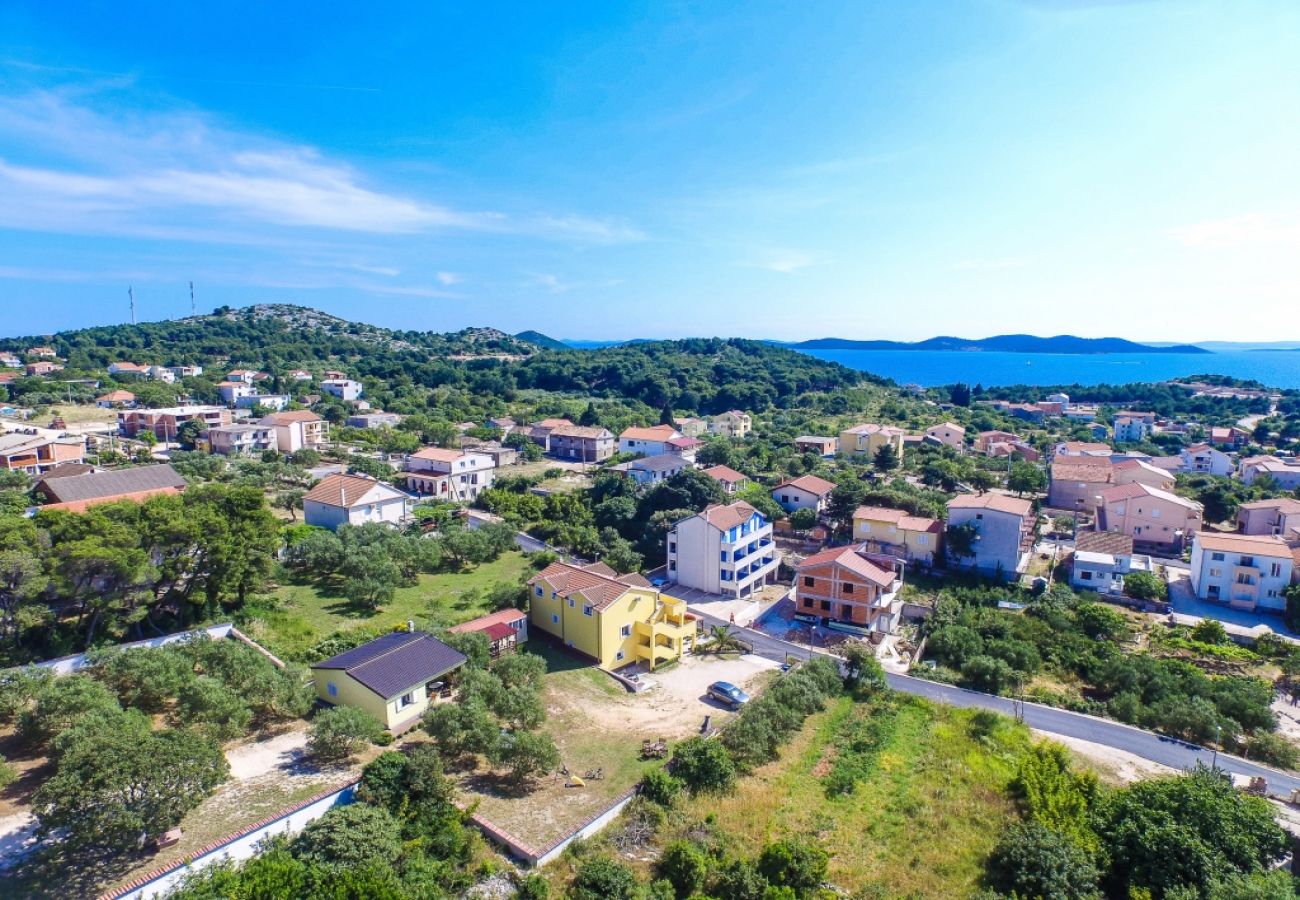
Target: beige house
<point x="691" y="427"/>
<point x="733" y="423"/>
<point x="897" y="533"/>
<point x="1076" y="481"/>
<point x="1280" y="516"/>
<point x="947" y="434"/>
<point x="1139" y="471"/>
<point x="450" y="474"/>
<point x="862" y="441"/>
<point x="394" y="678"/>
<point x="297" y="430"/>
<point x="1286" y="472"/>
<point x="240" y="440"/>
<point x="1151" y="516"/>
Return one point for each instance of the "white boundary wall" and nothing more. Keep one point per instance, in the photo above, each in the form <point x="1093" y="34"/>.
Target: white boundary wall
<point x="238" y="848"/>
<point x="66" y="665"/>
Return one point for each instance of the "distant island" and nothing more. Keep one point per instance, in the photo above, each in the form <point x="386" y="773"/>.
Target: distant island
<point x="1006" y="343"/>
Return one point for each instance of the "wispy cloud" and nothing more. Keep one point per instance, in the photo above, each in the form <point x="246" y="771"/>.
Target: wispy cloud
<point x="552" y="283"/>
<point x="67" y="165"/>
<point x="1251" y="229"/>
<point x="449" y="278"/>
<point x="786" y="262"/>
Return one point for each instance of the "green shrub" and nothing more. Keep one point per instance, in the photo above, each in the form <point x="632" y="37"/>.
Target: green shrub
<point x="1032" y="860"/>
<point x="338" y="732"/>
<point x="658" y="786"/>
<point x="601" y="878"/>
<point x="685" y="866"/>
<point x="703" y="766"/>
<point x="794" y="864"/>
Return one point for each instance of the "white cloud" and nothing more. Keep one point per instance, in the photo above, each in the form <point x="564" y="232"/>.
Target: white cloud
<point x="1251" y="229"/>
<point x="449" y="278"/>
<point x="787" y="262"/>
<point x="67" y="166"/>
<point x="553" y="284"/>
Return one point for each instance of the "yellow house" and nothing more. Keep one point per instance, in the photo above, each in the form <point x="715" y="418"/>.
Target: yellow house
<point x="865" y="440"/>
<point x="732" y="423"/>
<point x="395" y="677"/>
<point x="617" y="620"/>
<point x="898" y="534"/>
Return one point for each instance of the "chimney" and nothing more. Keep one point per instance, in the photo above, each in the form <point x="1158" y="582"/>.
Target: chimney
<point x="410" y="625"/>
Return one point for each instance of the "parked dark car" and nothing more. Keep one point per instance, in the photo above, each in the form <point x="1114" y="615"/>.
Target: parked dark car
<point x="728" y="693"/>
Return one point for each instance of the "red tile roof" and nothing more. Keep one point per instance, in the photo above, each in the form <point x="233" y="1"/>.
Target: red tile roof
<point x="654" y="433"/>
<point x="724" y="518"/>
<point x="501" y="617"/>
<point x="996" y="502"/>
<point x="848" y="558"/>
<point x="810" y="483"/>
<point x="725" y="474"/>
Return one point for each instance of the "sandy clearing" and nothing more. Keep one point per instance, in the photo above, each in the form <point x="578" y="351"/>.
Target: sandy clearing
<point x="676" y="705"/>
<point x="284" y="752"/>
<point x="17" y="838"/>
<point x="1116" y="766"/>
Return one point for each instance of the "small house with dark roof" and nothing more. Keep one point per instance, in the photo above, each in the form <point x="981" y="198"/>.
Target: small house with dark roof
<point x="394" y="678"/>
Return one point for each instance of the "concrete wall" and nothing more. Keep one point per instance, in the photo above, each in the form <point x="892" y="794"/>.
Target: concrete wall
<point x="239" y="846"/>
<point x="66" y="665"/>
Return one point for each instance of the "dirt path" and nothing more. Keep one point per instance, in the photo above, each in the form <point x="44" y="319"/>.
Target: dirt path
<point x="284" y="752"/>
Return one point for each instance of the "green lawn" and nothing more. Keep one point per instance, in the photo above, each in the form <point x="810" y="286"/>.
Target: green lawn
<point x="299" y="614"/>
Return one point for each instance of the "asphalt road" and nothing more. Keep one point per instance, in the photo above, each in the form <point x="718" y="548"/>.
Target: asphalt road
<point x="1146" y="744"/>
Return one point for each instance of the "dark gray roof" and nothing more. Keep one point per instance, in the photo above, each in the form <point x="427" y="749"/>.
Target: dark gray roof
<point x="94" y="485"/>
<point x="393" y="663"/>
<point x="664" y="462"/>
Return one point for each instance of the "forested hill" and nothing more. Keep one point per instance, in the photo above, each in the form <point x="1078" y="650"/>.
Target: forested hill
<point x="268" y="336"/>
<point x="700" y="375"/>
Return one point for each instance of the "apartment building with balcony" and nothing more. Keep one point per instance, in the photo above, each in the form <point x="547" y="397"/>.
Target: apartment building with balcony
<point x="864" y="440"/>
<point x="615" y="620"/>
<point x="298" y="429"/>
<point x="241" y="440"/>
<point x="36" y="454"/>
<point x="165" y="423"/>
<point x="1205" y="459"/>
<point x="723" y="550"/>
<point x="851" y="585"/>
<point x="1244" y="571"/>
<point x="456" y="475"/>
<point x="897" y="533"/>
<point x="1280" y="516"/>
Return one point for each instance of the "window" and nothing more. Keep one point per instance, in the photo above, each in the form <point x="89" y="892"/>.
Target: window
<point x="618" y="656"/>
<point x="625" y="631"/>
<point x="1217" y="557"/>
<point x="1275" y="570"/>
<point x="538" y="590"/>
<point x="808" y="581"/>
<point x="1216" y="573"/>
<point x="726" y="576"/>
<point x="572" y="603"/>
<point x="672" y="547"/>
<point x="331" y="688"/>
<point x="723" y="555"/>
<point x="826" y="605"/>
<point x="586" y="609"/>
<point x="406" y="700"/>
<point x="979" y="515"/>
<point x="848" y="587"/>
<point x="1085" y="576"/>
<point x="672" y="565"/>
<point x="923" y="540"/>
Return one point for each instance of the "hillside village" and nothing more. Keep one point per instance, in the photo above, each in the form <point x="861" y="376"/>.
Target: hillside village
<point x="543" y="573"/>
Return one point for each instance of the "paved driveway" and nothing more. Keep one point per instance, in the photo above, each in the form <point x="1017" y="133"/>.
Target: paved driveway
<point x="1189" y="609"/>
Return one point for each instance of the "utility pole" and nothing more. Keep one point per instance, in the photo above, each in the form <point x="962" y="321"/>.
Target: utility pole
<point x="192" y="307"/>
<point x="130" y="292"/>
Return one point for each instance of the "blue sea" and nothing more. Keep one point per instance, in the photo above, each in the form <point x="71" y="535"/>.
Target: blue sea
<point x="1275" y="368"/>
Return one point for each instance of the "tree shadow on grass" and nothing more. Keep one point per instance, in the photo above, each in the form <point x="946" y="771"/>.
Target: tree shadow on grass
<point x="56" y="872"/>
<point x="557" y="660"/>
<point x="501" y="785"/>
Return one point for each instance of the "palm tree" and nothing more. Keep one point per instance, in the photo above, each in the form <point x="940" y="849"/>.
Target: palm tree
<point x="723" y="639"/>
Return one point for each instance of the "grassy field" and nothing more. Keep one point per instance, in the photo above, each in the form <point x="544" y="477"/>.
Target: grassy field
<point x="298" y="615"/>
<point x="929" y="803"/>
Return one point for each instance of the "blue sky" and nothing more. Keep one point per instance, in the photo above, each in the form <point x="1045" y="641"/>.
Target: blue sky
<point x="613" y="170"/>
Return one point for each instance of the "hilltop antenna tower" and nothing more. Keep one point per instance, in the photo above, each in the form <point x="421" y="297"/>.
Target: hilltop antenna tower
<point x="130" y="292"/>
<point x="192" y="307"/>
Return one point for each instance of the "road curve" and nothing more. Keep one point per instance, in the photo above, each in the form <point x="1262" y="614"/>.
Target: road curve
<point x="1146" y="744"/>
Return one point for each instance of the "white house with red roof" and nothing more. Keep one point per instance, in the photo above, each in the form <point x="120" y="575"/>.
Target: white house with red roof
<point x="650" y="441"/>
<point x="354" y="500"/>
<point x="450" y="474"/>
<point x="804" y="492"/>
